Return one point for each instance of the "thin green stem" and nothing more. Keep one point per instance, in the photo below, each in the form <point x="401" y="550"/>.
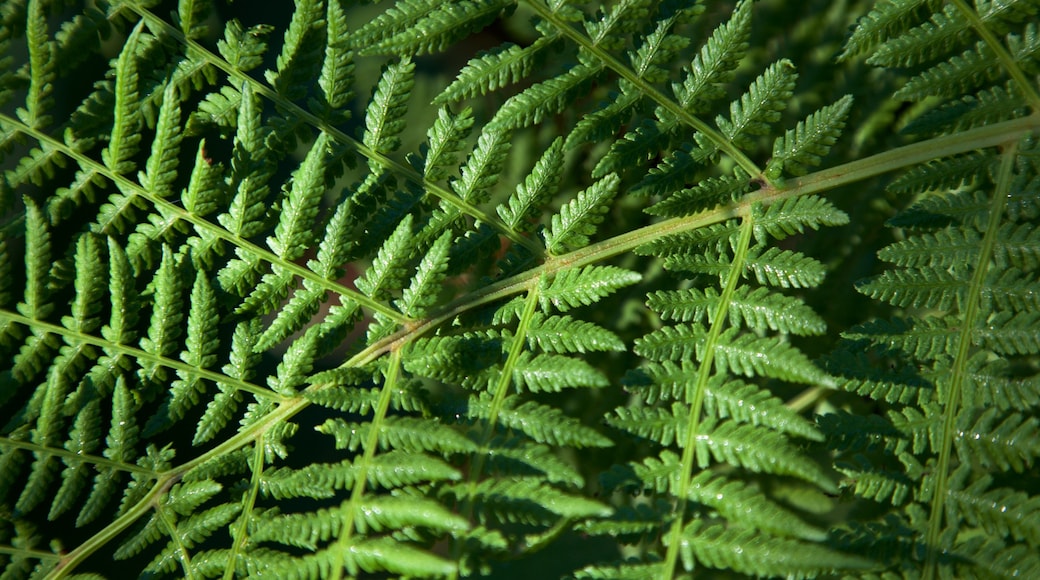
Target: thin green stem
<point x="696" y="392"/>
<point x="500" y="392"/>
<point x="969" y="322"/>
<point x="393" y="372"/>
<point x="70" y="561"/>
<point x="175" y="538"/>
<point x="1005" y="59"/>
<point x="723" y="143"/>
<point x="241" y="536"/>
<point x="341" y="137"/>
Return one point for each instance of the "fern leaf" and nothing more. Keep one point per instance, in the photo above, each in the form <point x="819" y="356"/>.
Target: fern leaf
<point x="501" y="66"/>
<point x="444" y="140"/>
<point x="583" y="286"/>
<point x="401" y="433"/>
<point x="924" y="339"/>
<point x="716" y="62"/>
<point x="705" y="195"/>
<point x="385" y="118"/>
<point x="917" y="288"/>
<point x="164" y="330"/>
<point x="298" y="63"/>
<point x="1007" y="445"/>
<point x="246" y="211"/>
<point x="653" y="423"/>
<point x="125" y="135"/>
<point x="337" y="68"/>
<point x="756" y="308"/>
<point x="544" y="99"/>
<point x="83" y="440"/>
<point x="293" y="233"/>
<point x="161" y="167"/>
<point x="386" y="470"/>
<point x="744" y="354"/>
<point x="483" y="166"/>
<point x="552" y="373"/>
<point x="577" y="220"/>
<point x="761" y="105"/>
<point x="425" y="287"/>
<point x="42" y="67"/>
<point x="119" y="447"/>
<point x="423" y="27"/>
<point x="243" y="359"/>
<point x="742" y="504"/>
<point x="387" y="269"/>
<point x="542" y="423"/>
<point x="1002" y="512"/>
<point x="521" y="500"/>
<point x="526" y="202"/>
<point x="563" y="334"/>
<point x="747" y="552"/>
<point x="201" y="342"/>
<point x="810" y="140"/>
<point x="758" y="450"/>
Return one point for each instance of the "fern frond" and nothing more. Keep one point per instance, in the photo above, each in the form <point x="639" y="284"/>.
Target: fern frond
<point x="552" y="373"/>
<point x="744" y="551"/>
<point x="422" y="27"/>
<point x="125" y="137"/>
<point x="716" y="62"/>
<point x="564" y="334"/>
<point x="542" y="423"/>
<point x="501" y="66"/>
<point x="444" y="140"/>
<point x="298" y="63"/>
<point x="757" y="308"/>
<point x="811" y="139"/>
<point x="583" y="286"/>
<point x="544" y="99"/>
<point x="744" y="354"/>
<point x="384" y="120"/>
<point x="525" y="203"/>
<point x="761" y="105"/>
<point x="402" y="433"/>
<point x="577" y="220"/>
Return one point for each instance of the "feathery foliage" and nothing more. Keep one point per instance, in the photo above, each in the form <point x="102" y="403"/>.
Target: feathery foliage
<point x="643" y="289"/>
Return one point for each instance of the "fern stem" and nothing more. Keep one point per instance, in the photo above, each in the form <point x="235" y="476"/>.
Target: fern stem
<point x="202" y="224"/>
<point x="179" y="547"/>
<point x="247" y="508"/>
<point x="393" y="371"/>
<point x="70" y="561"/>
<point x="78" y="337"/>
<point x="951" y="406"/>
<point x="648" y="89"/>
<point x="1003" y="56"/>
<point x="341" y="137"/>
<point x="505" y="379"/>
<point x="696" y="392"/>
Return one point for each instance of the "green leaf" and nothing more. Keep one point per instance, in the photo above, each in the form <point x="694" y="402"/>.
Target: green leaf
<point x="525" y="204"/>
<point x="385" y="119"/>
<point x="577" y="220"/>
<point x="746" y="551"/>
<point x="583" y="286"/>
<point x="811" y="139"/>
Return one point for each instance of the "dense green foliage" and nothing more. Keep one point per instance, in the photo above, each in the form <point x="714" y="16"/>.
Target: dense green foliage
<point x="523" y="288"/>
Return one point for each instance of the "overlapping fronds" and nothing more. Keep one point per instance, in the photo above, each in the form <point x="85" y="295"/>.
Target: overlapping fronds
<point x="518" y="287"/>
